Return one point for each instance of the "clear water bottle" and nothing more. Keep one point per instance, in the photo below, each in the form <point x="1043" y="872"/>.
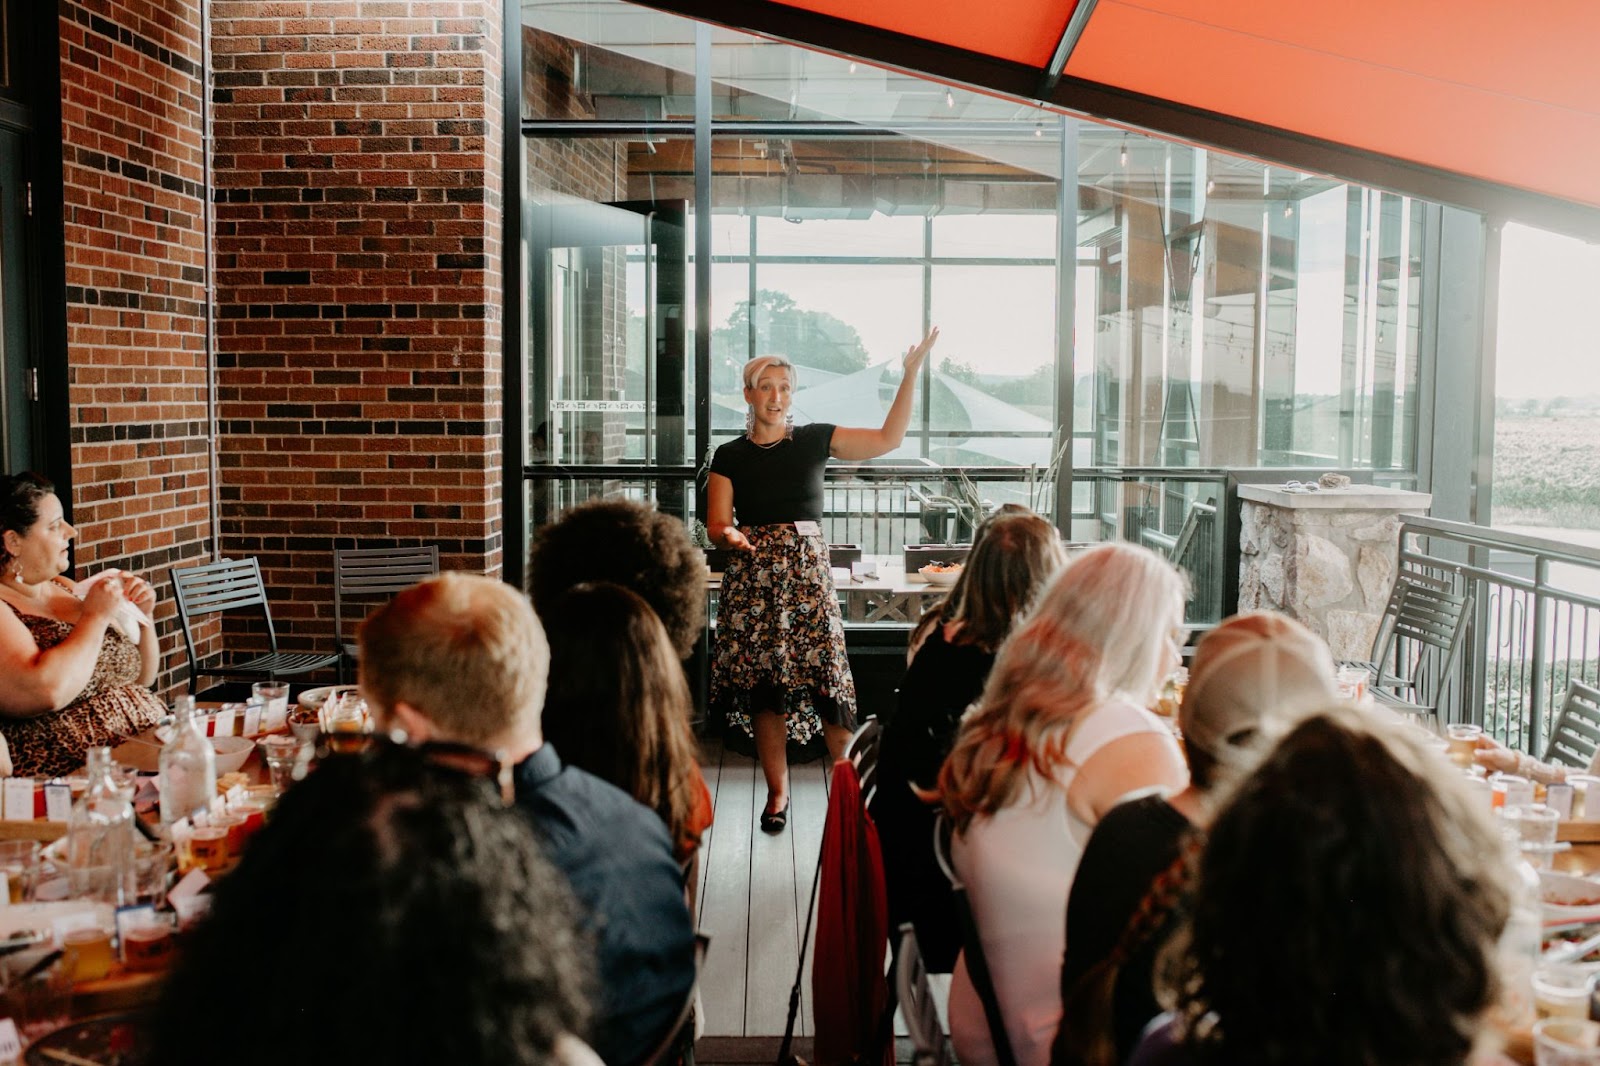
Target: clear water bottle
<point x="100" y="837"/>
<point x="188" y="766"/>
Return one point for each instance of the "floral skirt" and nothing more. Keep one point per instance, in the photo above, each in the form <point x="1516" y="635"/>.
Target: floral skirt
<point x="780" y="639"/>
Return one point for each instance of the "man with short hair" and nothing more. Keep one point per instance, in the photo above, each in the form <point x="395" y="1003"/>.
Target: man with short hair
<point x="463" y="658"/>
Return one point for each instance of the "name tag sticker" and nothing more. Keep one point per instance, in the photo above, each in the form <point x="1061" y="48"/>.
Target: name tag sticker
<point x="808" y="529"/>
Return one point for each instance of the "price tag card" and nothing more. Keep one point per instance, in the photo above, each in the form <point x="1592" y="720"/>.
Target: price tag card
<point x="252" y="718"/>
<point x="841" y="576"/>
<point x="864" y="568"/>
<point x="808" y="529"/>
<point x="194" y="882"/>
<point x="219" y="806"/>
<point x="16" y="799"/>
<point x="57" y="801"/>
<point x="224" y="726"/>
<point x="277" y="715"/>
<point x="10" y="1041"/>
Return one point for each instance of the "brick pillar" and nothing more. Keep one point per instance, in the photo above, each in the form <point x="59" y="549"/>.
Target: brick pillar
<point x="358" y="188"/>
<point x="134" y="192"/>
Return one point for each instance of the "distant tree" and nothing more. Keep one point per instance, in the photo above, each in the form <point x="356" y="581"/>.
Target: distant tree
<point x="809" y="338"/>
<point x="962" y="372"/>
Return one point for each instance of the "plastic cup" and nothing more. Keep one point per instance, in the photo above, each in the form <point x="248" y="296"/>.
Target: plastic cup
<point x="43" y="1002"/>
<point x="1566" y="1042"/>
<point x="19" y="859"/>
<point x="1463" y="738"/>
<point x="88" y="953"/>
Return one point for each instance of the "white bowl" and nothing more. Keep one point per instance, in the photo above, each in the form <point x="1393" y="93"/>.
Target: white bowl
<point x="231" y="752"/>
<point x="944" y="578"/>
<point x="312" y="699"/>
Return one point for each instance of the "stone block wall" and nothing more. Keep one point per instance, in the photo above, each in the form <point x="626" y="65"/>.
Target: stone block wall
<point x="134" y="191"/>
<point x="1329" y="569"/>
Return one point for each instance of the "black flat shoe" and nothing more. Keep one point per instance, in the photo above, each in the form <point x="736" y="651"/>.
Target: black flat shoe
<point x="774" y="821"/>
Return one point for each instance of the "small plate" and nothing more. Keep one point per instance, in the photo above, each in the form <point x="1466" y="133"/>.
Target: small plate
<point x="312" y="699"/>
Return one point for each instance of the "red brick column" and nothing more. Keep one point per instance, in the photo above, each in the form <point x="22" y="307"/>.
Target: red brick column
<point x="357" y="175"/>
<point x="135" y="261"/>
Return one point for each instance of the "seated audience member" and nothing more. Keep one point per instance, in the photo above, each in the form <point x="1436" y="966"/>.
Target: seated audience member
<point x="1251" y="678"/>
<point x="1493" y="755"/>
<point x="463" y="658"/>
<point x="1346" y="909"/>
<point x="628" y="544"/>
<point x="618" y="706"/>
<point x="1013" y="555"/>
<point x="1060" y="735"/>
<point x="391" y="911"/>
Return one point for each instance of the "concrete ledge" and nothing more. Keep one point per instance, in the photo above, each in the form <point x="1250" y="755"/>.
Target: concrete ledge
<point x="1351" y="498"/>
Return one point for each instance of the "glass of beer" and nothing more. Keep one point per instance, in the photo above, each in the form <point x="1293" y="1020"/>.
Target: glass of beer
<point x="147" y="946"/>
<point x="19" y="860"/>
<point x="345" y="721"/>
<point x="1463" y="738"/>
<point x="208" y="847"/>
<point x="88" y="952"/>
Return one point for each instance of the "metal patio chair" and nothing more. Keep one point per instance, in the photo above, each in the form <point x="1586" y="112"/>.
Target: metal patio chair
<point x="227" y="586"/>
<point x="1418" y="645"/>
<point x="373" y="572"/>
<point x="921" y="1014"/>
<point x="1575" y="737"/>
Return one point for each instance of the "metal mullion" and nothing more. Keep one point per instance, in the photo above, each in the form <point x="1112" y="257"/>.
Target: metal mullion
<point x="927" y="324"/>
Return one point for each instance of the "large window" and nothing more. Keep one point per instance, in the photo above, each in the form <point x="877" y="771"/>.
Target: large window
<point x="1219" y="312"/>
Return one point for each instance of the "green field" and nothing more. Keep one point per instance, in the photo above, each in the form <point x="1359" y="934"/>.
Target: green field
<point x="1547" y="470"/>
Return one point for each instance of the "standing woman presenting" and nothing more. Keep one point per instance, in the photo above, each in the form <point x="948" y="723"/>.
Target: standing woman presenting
<point x="780" y="654"/>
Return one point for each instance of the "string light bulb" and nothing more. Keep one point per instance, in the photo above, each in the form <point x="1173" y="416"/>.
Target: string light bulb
<point x="852" y="67"/>
<point x="1288" y="210"/>
<point x="949" y="98"/>
<point x="1038" y="129"/>
<point x="1122" y="156"/>
<point x="1211" y="186"/>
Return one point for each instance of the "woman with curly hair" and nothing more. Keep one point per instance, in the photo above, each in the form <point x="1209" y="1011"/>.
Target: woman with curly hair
<point x="394" y="913"/>
<point x="779" y="668"/>
<point x="618" y="706"/>
<point x="1346" y="910"/>
<point x="1059" y="737"/>
<point x="1014" y="553"/>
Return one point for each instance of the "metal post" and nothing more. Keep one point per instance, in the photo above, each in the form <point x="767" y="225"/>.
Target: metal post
<point x="1066" y="314"/>
<point x="1536" y="672"/>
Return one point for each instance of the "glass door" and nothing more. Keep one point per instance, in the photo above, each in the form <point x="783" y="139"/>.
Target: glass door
<point x="608" y="374"/>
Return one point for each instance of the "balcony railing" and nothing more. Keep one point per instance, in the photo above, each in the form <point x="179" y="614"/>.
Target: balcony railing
<point x="1535" y="625"/>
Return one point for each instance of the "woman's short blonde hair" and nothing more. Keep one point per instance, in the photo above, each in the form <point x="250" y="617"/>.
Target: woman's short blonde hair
<point x="1104" y="628"/>
<point x="753" y="369"/>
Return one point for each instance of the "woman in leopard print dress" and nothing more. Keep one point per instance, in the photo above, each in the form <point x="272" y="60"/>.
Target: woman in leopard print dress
<point x="78" y="664"/>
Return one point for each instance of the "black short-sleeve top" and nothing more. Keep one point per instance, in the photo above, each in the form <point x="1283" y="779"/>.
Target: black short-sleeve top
<point x="777" y="484"/>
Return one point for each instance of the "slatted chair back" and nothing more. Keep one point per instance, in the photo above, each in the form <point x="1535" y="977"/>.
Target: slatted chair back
<point x="214" y="588"/>
<point x="1428" y="615"/>
<point x="1576" y="735"/>
<point x="372" y="572"/>
<point x="863" y="752"/>
<point x="921" y="1014"/>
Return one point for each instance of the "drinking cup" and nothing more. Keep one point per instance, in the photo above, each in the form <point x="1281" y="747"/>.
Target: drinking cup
<point x="275" y="694"/>
<point x="1518" y="791"/>
<point x="208" y="848"/>
<point x="281" y="754"/>
<point x="88" y="953"/>
<point x="1536" y="827"/>
<point x="42" y="1002"/>
<point x="1583" y="786"/>
<point x="1566" y="1042"/>
<point x="19" y="860"/>
<point x="1561" y="991"/>
<point x="148" y="946"/>
<point x="153" y="865"/>
<point x="1352" y="682"/>
<point x="1463" y="738"/>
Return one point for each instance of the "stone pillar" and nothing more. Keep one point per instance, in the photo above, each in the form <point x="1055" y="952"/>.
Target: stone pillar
<point x="1325" y="558"/>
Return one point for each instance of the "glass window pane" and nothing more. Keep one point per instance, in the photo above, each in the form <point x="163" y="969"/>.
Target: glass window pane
<point x="605" y="60"/>
<point x="992" y="235"/>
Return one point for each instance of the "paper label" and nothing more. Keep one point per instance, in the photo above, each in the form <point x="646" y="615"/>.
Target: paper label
<point x="10" y="1041"/>
<point x="840" y="575"/>
<point x="808" y="529"/>
<point x="5" y="891"/>
<point x="277" y="715"/>
<point x="252" y="719"/>
<point x="193" y="883"/>
<point x="58" y="801"/>
<point x="17" y="798"/>
<point x="224" y="726"/>
<point x="864" y="568"/>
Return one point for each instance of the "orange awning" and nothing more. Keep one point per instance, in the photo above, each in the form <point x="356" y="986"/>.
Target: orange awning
<point x="1489" y="106"/>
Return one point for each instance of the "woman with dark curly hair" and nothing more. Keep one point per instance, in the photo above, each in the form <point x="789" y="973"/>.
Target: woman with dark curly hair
<point x="78" y="656"/>
<point x="779" y="668"/>
<point x="1346" y="910"/>
<point x="618" y="706"/>
<point x="629" y="544"/>
<point x="391" y="911"/>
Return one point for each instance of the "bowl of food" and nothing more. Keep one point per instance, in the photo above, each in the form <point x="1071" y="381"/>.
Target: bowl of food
<point x="1568" y="897"/>
<point x="231" y="752"/>
<point x="312" y="699"/>
<point x="942" y="574"/>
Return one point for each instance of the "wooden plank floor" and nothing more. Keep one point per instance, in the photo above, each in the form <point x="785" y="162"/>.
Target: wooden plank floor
<point x="754" y="892"/>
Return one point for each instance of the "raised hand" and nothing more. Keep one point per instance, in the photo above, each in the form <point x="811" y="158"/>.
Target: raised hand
<point x="917" y="353"/>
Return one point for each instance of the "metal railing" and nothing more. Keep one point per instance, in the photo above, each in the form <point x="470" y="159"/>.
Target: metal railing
<point x="1535" y="623"/>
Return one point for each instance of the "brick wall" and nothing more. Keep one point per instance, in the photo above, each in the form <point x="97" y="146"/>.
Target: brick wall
<point x="358" y="202"/>
<point x="135" y="273"/>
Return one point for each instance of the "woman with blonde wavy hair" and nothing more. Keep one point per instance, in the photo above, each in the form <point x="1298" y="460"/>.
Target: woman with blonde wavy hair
<point x="1060" y="735"/>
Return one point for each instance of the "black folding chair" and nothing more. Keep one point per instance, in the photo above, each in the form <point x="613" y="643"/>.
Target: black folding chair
<point x="234" y="585"/>
<point x="372" y="572"/>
